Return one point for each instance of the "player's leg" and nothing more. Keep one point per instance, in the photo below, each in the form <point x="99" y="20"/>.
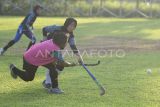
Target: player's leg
<point x="12" y="42"/>
<point x="47" y="82"/>
<point x="54" y="79"/>
<point x="26" y="75"/>
<point x="31" y="36"/>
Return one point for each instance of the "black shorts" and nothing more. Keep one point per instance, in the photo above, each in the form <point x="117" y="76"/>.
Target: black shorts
<point x="28" y="67"/>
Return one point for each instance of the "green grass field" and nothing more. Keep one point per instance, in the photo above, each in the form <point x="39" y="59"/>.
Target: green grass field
<point x="127" y="83"/>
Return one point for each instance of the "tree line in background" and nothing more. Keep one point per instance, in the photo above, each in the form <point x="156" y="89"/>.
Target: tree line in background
<point x="84" y="8"/>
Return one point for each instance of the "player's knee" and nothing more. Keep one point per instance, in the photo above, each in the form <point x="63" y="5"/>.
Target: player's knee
<point x="29" y="78"/>
<point x="17" y="37"/>
<point x="16" y="40"/>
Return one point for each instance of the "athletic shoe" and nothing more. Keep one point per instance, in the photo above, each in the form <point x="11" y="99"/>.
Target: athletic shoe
<point x="1" y="51"/>
<point x="11" y="71"/>
<point x="56" y="91"/>
<point x="47" y="86"/>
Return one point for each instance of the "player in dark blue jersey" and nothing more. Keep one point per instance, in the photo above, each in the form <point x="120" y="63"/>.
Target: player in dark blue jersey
<point x="26" y="28"/>
<point x="68" y="28"/>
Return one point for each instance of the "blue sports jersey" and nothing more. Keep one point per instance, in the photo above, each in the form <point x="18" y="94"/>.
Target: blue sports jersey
<point x="54" y="28"/>
<point x="29" y="20"/>
<point x="25" y="28"/>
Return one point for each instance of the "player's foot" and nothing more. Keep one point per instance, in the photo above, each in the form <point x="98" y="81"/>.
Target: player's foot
<point x="56" y="91"/>
<point x="11" y="71"/>
<point x="1" y="51"/>
<point x="47" y="86"/>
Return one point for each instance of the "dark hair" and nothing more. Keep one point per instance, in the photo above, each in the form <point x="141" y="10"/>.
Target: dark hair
<point x="68" y="22"/>
<point x="60" y="39"/>
<point x="36" y="7"/>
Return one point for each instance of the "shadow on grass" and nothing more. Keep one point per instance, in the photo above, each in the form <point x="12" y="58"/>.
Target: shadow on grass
<point x="27" y="96"/>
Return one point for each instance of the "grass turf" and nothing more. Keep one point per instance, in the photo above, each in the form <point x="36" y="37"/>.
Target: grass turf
<point x="127" y="83"/>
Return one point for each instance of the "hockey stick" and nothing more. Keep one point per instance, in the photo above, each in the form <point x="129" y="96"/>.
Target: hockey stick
<point x="102" y="89"/>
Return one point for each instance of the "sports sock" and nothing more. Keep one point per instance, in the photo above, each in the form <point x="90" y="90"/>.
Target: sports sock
<point x="48" y="78"/>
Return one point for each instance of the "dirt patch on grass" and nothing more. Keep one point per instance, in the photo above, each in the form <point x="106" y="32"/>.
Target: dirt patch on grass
<point x="127" y="44"/>
<point x="104" y="43"/>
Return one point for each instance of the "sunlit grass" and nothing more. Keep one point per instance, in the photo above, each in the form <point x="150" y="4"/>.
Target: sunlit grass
<point x="126" y="80"/>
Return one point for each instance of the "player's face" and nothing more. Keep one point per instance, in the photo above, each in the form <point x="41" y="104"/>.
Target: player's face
<point x="71" y="27"/>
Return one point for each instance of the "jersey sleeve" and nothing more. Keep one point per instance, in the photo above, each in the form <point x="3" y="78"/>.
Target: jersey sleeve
<point x="72" y="44"/>
<point x="50" y="29"/>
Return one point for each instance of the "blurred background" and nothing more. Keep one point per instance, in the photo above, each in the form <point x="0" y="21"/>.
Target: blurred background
<point x="85" y="8"/>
